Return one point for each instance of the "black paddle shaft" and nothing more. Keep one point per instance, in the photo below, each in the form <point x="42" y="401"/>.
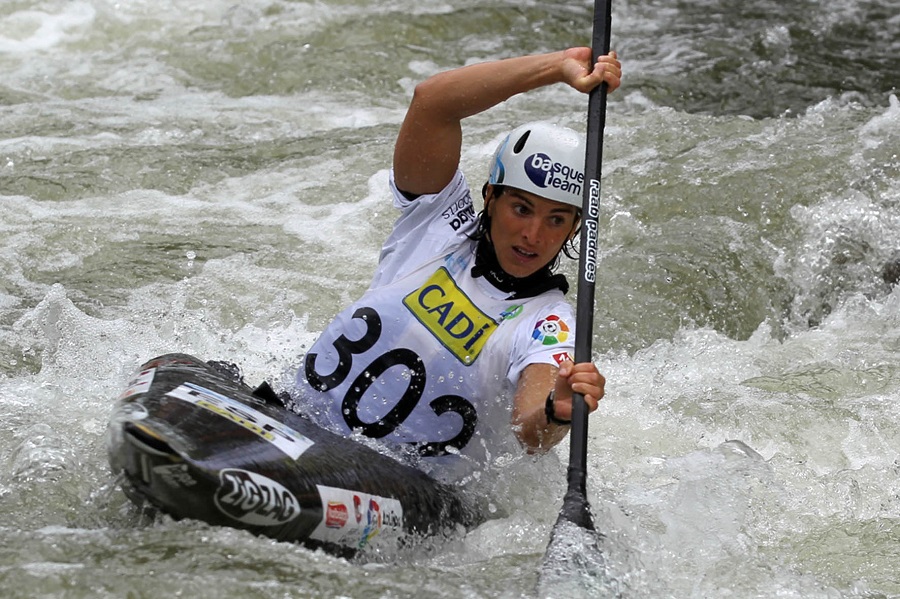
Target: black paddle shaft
<point x="575" y="506"/>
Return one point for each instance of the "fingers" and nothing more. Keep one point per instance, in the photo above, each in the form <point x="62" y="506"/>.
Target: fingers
<point x="580" y="72"/>
<point x="591" y="392"/>
<point x="583" y="378"/>
<point x="609" y="70"/>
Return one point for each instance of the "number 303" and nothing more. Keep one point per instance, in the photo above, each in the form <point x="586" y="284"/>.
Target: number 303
<point x="347" y="348"/>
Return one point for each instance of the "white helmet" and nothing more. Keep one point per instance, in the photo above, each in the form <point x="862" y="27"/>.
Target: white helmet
<point x="544" y="159"/>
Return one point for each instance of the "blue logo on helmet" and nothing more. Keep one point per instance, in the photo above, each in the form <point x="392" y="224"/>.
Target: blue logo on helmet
<point x="537" y="167"/>
<point x="544" y="172"/>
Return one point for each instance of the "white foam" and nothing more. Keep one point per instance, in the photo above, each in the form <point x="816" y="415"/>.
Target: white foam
<point x="35" y="30"/>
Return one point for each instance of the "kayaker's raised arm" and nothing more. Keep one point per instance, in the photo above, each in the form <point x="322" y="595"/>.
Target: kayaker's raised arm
<point x="428" y="147"/>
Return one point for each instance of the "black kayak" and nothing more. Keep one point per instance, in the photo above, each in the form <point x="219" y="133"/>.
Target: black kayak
<point x="195" y="443"/>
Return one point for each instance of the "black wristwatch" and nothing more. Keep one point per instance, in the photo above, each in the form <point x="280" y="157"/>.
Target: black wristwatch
<point x="551" y="413"/>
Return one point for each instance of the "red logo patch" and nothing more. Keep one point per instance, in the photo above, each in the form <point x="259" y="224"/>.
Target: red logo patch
<point x="336" y="515"/>
<point x="562" y="357"/>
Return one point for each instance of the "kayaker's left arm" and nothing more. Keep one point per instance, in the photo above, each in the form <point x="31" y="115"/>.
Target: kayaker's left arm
<point x="530" y="420"/>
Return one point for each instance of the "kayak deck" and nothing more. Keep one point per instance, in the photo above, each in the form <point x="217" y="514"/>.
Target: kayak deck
<point x="197" y="444"/>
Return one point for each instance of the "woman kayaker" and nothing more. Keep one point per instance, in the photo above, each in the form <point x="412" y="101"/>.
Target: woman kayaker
<point x="466" y="311"/>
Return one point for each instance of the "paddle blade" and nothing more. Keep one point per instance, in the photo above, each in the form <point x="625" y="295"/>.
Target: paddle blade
<point x="576" y="509"/>
<point x="574" y="564"/>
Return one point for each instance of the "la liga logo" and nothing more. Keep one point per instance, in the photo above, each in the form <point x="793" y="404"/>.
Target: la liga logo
<point x="551" y="330"/>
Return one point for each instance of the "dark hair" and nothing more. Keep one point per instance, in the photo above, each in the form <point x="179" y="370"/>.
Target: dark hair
<point x="483" y="228"/>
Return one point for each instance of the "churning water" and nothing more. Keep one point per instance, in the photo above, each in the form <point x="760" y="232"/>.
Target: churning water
<point x="210" y="177"/>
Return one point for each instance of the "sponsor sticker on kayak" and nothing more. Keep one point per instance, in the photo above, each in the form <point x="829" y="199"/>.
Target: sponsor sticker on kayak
<point x="255" y="499"/>
<point x="175" y="475"/>
<point x="354" y="519"/>
<point x="281" y="436"/>
<point x="139" y="383"/>
<point x="336" y="515"/>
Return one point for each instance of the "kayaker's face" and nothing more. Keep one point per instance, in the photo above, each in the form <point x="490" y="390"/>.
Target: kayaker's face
<point x="527" y="231"/>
